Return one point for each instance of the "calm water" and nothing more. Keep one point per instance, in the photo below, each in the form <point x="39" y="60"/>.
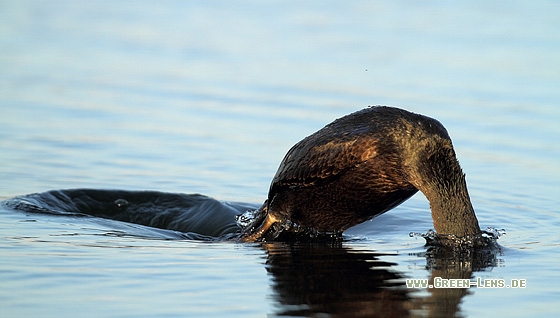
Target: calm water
<point x="206" y="97"/>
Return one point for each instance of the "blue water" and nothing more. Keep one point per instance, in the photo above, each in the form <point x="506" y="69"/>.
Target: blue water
<point x="206" y="97"/>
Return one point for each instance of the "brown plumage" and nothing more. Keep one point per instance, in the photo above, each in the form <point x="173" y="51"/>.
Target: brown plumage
<point x="362" y="165"/>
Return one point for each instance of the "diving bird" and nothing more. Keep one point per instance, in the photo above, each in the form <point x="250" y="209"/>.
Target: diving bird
<point x="360" y="166"/>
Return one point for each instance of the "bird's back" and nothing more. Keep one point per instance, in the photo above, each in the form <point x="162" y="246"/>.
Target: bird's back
<point x="345" y="173"/>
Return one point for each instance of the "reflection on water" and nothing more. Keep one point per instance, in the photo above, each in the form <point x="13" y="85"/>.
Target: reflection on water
<point x="330" y="278"/>
<point x="454" y="264"/>
<point x="309" y="278"/>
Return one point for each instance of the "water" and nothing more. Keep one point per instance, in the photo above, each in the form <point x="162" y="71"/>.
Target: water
<point x="206" y="97"/>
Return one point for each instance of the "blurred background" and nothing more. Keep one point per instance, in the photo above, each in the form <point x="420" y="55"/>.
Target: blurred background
<point x="207" y="96"/>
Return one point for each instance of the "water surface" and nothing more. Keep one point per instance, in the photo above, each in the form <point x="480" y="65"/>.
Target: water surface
<point x="206" y="97"/>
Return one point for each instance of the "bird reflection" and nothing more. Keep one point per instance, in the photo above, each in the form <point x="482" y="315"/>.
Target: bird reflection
<point x="311" y="279"/>
<point x="321" y="278"/>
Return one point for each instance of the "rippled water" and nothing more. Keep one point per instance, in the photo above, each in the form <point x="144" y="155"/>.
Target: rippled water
<point x="206" y="97"/>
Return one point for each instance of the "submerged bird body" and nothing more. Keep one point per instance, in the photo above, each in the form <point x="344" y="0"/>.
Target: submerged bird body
<point x="362" y="165"/>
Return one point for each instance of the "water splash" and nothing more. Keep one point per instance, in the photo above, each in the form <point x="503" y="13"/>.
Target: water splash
<point x="246" y="218"/>
<point x="493" y="232"/>
<point x="488" y="237"/>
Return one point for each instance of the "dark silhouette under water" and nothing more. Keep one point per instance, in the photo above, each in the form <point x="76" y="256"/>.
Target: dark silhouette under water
<point x="195" y="216"/>
<point x="360" y="166"/>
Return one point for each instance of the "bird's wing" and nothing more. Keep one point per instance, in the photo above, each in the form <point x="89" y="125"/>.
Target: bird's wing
<point x="316" y="159"/>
